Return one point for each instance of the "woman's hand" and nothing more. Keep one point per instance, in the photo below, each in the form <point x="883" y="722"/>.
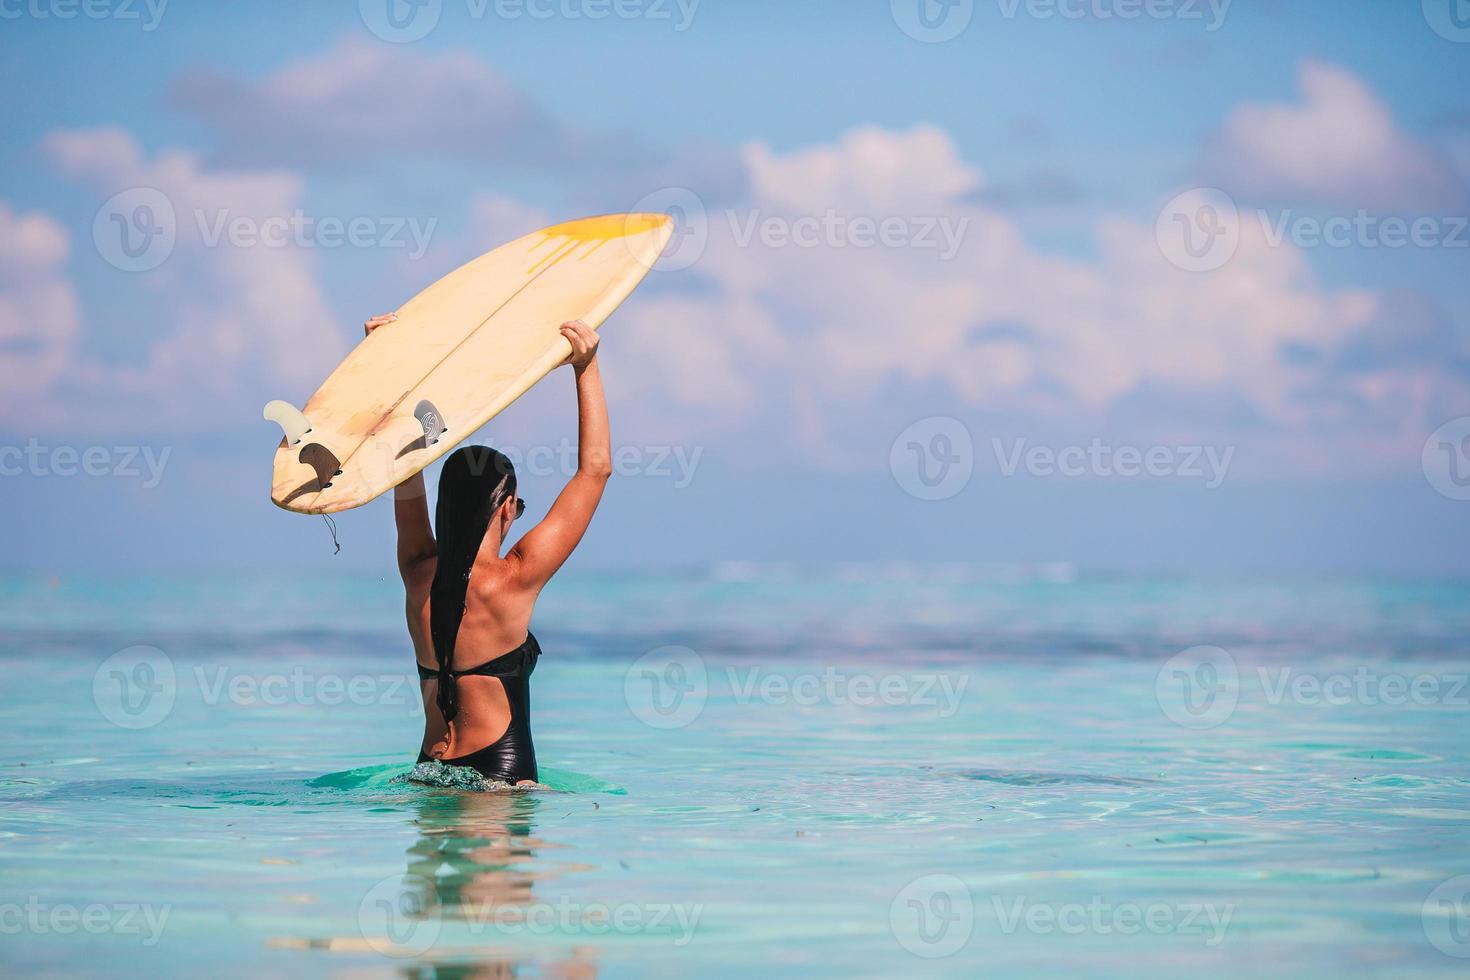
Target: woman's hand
<point x="377" y="322"/>
<point x="584" y="343"/>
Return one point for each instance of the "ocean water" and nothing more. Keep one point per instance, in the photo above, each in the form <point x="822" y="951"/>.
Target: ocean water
<point x="868" y="771"/>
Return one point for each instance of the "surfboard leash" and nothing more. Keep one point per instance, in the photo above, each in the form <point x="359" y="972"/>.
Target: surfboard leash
<point x="332" y="527"/>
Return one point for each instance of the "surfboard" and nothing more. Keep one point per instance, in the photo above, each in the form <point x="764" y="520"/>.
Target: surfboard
<point x="460" y="352"/>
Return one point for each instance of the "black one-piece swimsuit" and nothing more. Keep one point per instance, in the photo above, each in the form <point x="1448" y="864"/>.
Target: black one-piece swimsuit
<point x="511" y="757"/>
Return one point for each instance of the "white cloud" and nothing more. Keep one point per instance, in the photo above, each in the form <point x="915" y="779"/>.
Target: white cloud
<point x="38" y="307"/>
<point x="358" y="101"/>
<point x="1340" y="145"/>
<point x="234" y="321"/>
<point x="819" y="334"/>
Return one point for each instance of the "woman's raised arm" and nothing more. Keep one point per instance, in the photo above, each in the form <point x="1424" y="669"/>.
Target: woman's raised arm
<point x="547" y="546"/>
<point x="410" y="501"/>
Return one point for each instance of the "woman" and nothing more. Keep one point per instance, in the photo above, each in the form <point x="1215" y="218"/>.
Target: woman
<point x="469" y="606"/>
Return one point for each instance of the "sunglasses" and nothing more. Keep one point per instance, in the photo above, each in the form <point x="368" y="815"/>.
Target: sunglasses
<point x="520" y="509"/>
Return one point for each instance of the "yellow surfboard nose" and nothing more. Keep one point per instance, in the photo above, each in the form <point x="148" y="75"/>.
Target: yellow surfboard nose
<point x="609" y="226"/>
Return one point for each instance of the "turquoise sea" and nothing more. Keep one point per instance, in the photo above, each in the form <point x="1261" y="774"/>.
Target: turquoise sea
<point x="859" y="771"/>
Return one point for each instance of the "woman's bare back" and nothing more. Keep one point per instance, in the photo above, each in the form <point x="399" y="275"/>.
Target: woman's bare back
<point x="497" y="619"/>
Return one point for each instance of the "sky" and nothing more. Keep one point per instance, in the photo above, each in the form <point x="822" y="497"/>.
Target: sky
<point x="1174" y="285"/>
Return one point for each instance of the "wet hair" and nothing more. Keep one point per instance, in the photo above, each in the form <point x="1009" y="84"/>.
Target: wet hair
<point x="475" y="482"/>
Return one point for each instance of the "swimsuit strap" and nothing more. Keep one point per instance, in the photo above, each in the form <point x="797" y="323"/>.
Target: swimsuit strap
<point x="515" y="663"/>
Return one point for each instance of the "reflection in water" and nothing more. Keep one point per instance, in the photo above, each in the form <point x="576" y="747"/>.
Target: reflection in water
<point x="474" y="870"/>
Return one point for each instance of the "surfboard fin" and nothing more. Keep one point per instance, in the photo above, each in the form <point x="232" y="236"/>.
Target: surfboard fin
<point x="292" y="422"/>
<point x="431" y="420"/>
<point x="323" y="460"/>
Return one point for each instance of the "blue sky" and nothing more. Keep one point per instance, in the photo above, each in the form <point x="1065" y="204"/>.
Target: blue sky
<point x="791" y="380"/>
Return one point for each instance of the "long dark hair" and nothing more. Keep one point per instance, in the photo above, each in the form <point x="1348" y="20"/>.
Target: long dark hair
<point x="475" y="481"/>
